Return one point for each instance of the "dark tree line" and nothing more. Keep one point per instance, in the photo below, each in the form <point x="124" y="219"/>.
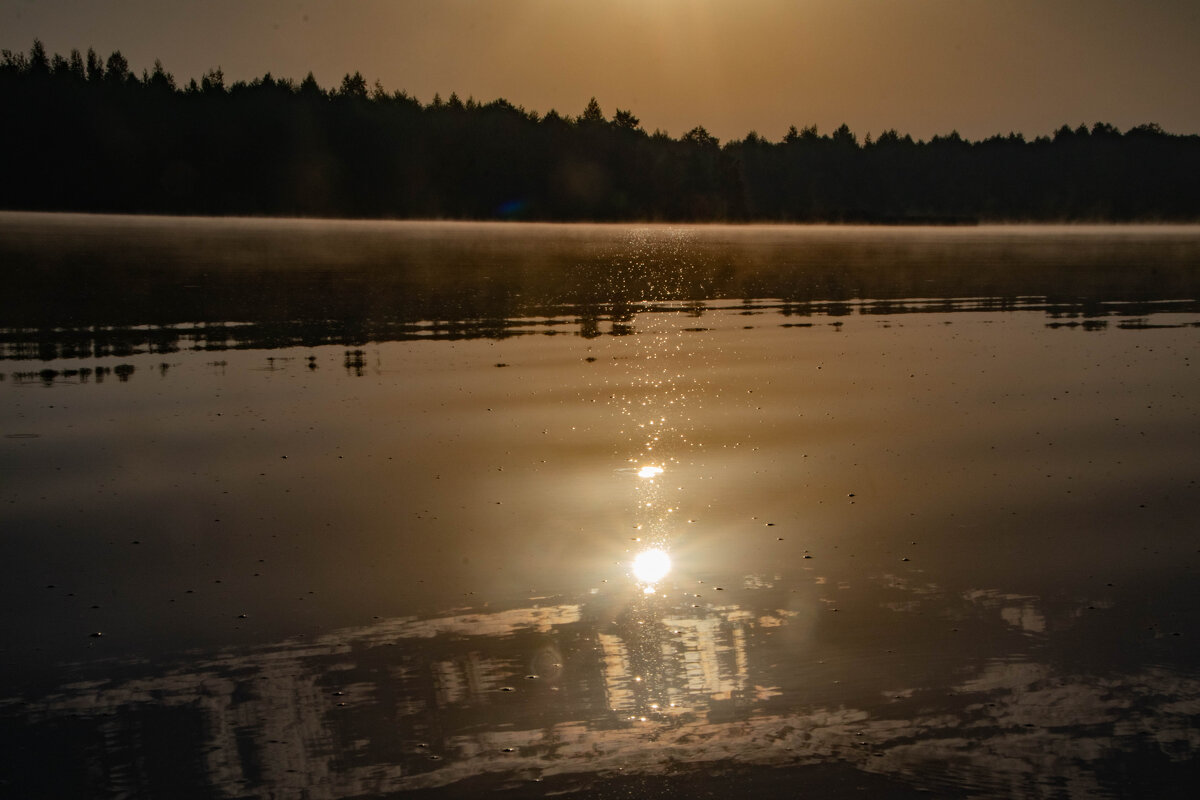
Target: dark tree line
<point x="84" y="133"/>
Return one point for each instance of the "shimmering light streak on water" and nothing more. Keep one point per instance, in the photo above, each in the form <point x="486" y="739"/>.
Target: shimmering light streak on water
<point x="662" y="383"/>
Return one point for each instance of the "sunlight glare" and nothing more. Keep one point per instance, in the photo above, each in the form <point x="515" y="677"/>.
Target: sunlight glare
<point x="651" y="565"/>
<point x="649" y="472"/>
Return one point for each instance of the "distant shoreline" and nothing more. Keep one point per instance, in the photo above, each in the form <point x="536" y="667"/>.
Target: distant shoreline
<point x="88" y="135"/>
<point x="1138" y="224"/>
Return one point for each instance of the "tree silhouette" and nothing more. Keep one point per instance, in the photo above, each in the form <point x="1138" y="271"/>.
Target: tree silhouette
<point x="213" y="81"/>
<point x="353" y="85"/>
<point x="87" y="135"/>
<point x="626" y="119"/>
<point x="701" y="137"/>
<point x="844" y="136"/>
<point x="592" y="112"/>
<point x="75" y="65"/>
<point x="39" y="64"/>
<point x="308" y="86"/>
<point x="160" y="80"/>
<point x="95" y="67"/>
<point x="116" y="69"/>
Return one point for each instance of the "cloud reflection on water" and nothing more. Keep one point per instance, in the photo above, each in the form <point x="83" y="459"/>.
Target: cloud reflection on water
<point x="620" y="685"/>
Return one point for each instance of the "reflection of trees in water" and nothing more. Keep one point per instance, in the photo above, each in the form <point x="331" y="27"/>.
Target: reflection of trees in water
<point x="49" y="377"/>
<point x="51" y="344"/>
<point x="78" y="289"/>
<point x="639" y="687"/>
<point x="355" y="362"/>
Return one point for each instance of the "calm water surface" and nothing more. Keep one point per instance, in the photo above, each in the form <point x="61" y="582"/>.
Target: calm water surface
<point x="336" y="509"/>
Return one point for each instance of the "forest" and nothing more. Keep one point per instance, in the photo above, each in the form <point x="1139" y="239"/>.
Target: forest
<point x="86" y="133"/>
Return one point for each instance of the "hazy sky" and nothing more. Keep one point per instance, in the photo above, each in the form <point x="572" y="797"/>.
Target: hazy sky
<point x="921" y="66"/>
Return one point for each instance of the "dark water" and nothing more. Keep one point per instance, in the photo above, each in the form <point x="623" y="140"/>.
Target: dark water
<point x="355" y="509"/>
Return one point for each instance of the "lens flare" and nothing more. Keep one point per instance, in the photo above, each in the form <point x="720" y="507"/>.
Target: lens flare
<point x="651" y="565"/>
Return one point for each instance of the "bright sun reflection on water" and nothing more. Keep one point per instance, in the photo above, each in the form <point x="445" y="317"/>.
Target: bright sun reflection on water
<point x="649" y="472"/>
<point x="651" y="565"/>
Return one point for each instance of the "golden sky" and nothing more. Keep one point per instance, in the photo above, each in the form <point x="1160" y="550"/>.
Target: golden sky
<point x="921" y="66"/>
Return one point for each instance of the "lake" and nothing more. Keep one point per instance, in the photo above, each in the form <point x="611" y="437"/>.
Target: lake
<point x="328" y="509"/>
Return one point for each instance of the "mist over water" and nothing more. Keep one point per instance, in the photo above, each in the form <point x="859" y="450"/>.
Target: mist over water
<point x="364" y="508"/>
